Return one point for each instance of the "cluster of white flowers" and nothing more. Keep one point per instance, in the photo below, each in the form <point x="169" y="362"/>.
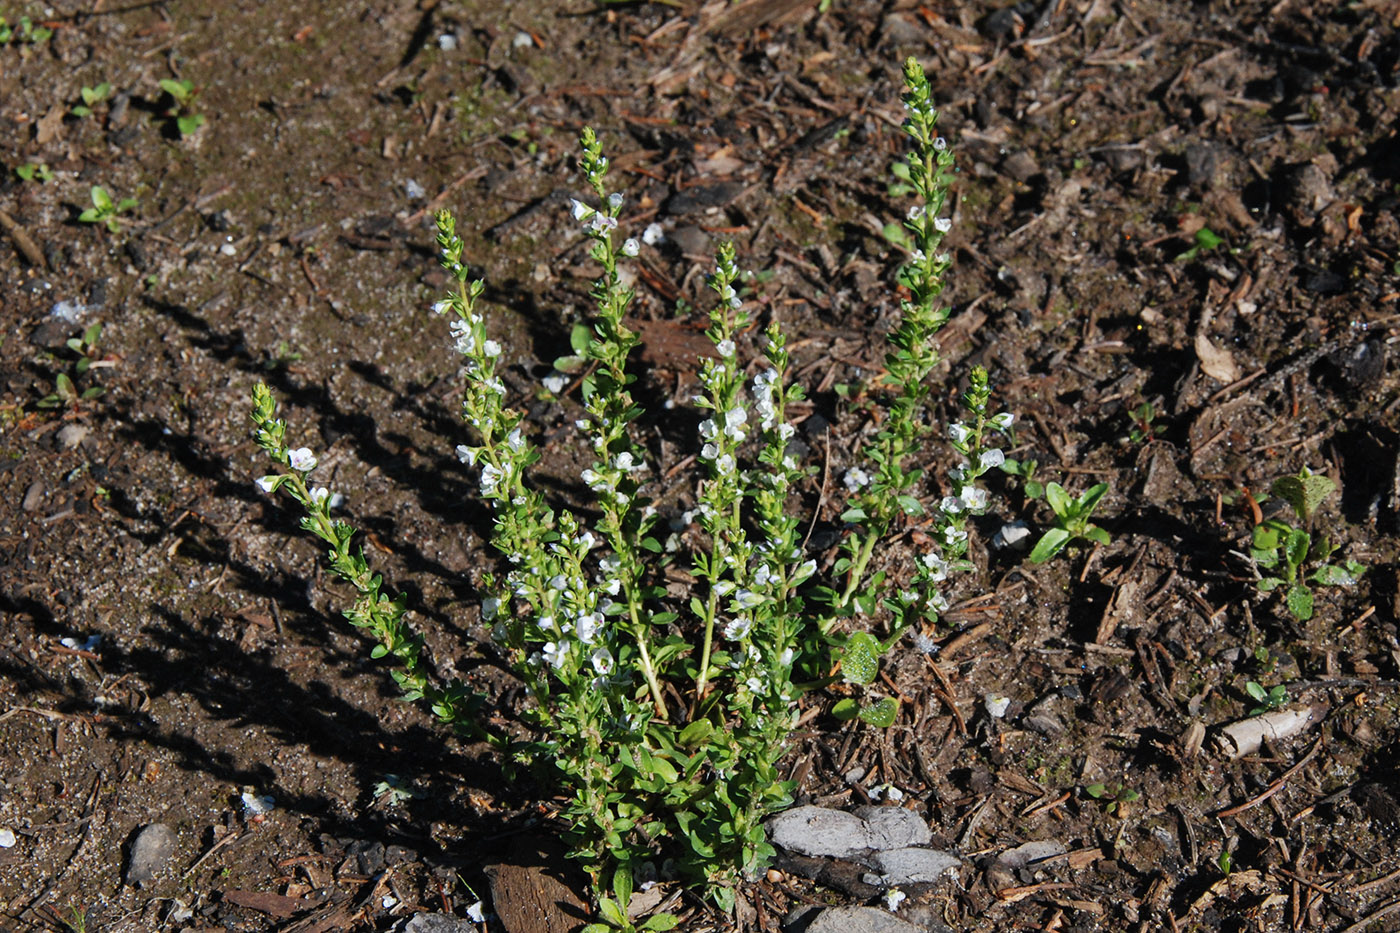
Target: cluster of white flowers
<point x="764" y="384"/>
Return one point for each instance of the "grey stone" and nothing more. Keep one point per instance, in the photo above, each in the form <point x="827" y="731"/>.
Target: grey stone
<point x="1027" y="855"/>
<point x="856" y="920"/>
<point x="894" y="827"/>
<point x="819" y="831"/>
<point x="913" y="866"/>
<point x="437" y="923"/>
<point x="152" y="848"/>
<point x="71" y="435"/>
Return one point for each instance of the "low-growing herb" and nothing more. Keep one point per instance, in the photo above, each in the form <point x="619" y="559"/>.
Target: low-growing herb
<point x="91" y="96"/>
<point x="1290" y="556"/>
<point x="1071" y="520"/>
<point x="182" y="94"/>
<point x="1267" y="698"/>
<point x="105" y="211"/>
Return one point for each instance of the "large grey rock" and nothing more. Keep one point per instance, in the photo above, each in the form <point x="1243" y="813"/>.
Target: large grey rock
<point x="894" y="827"/>
<point x="817" y="831"/>
<point x="913" y="866"/>
<point x="856" y="920"/>
<point x="153" y="846"/>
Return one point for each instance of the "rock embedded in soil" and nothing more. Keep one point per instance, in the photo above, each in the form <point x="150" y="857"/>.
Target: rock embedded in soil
<point x="850" y="920"/>
<point x="152" y="848"/>
<point x="818" y="831"/>
<point x="436" y="923"/>
<point x="912" y="865"/>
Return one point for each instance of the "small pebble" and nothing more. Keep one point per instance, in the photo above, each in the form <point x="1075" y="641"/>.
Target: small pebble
<point x="7" y="838"/>
<point x="153" y="848"/>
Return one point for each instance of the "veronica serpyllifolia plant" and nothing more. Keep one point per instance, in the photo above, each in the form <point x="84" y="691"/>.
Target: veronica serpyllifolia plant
<point x="663" y="716"/>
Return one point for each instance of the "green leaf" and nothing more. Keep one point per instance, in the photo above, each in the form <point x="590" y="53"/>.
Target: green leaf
<point x="188" y="125"/>
<point x="1034" y="489"/>
<point x="622" y="885"/>
<point x="882" y="713"/>
<point x="895" y="234"/>
<point x="1058" y="500"/>
<point x="1050" y="544"/>
<point x="661" y="922"/>
<point x="860" y="658"/>
<point x="846" y="709"/>
<point x="910" y="505"/>
<point x="1096" y="534"/>
<point x="695" y="734"/>
<point x="611" y="913"/>
<point x="180" y="90"/>
<point x="1304" y="491"/>
<point x="853" y="515"/>
<point x="1090" y="497"/>
<point x="1095" y="790"/>
<point x="1295" y="548"/>
<point x="1332" y="575"/>
<point x="1300" y="602"/>
<point x="1256" y="691"/>
<point x="100" y="198"/>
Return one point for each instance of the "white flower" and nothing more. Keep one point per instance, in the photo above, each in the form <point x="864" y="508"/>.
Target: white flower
<point x="588" y="625"/>
<point x="943" y="224"/>
<point x="1002" y="421"/>
<point x="940" y="144"/>
<point x="556" y="654"/>
<point x="268" y="483"/>
<point x="925" y="645"/>
<point x="960" y="433"/>
<point x="975" y="498"/>
<point x="894" y="897"/>
<point x="490" y="606"/>
<point x="491" y="349"/>
<point x="624" y="462"/>
<point x="320" y="495"/>
<point x="615" y="200"/>
<point x="785" y="658"/>
<point x="602" y="660"/>
<point x="725" y="348"/>
<point x="733" y="422"/>
<point x="992" y="458"/>
<point x="466" y="454"/>
<point x="600" y="224"/>
<point x="302" y="459"/>
<point x="856" y="478"/>
<point x="754" y="684"/>
<point x="748" y="598"/>
<point x="996" y="706"/>
<point x="476" y="913"/>
<point x="724" y="465"/>
<point x="440" y="306"/>
<point x="555" y="382"/>
<point x="630" y="247"/>
<point x="490" y="478"/>
<point x="653" y="234"/>
<point x="709" y="452"/>
<point x="804" y="571"/>
<point x="937" y="566"/>
<point x="951" y="505"/>
<point x="580" y="210"/>
<point x="586" y="540"/>
<point x="738" y="628"/>
<point x="916" y="212"/>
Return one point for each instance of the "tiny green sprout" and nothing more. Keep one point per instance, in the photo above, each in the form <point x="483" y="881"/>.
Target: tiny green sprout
<point x="1286" y="551"/>
<point x="1114" y="797"/>
<point x="1071" y="521"/>
<point x="1268" y="700"/>
<point x="65" y="393"/>
<point x="23" y="32"/>
<point x="1025" y="469"/>
<point x="1206" y="240"/>
<point x="1143" y="429"/>
<point x="392" y="791"/>
<point x="282" y="357"/>
<point x="29" y="172"/>
<point x="105" y="211"/>
<point x="182" y="93"/>
<point x="1226" y="862"/>
<point x="91" y="97"/>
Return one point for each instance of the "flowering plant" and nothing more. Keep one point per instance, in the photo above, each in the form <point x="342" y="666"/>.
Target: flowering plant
<point x="664" y="713"/>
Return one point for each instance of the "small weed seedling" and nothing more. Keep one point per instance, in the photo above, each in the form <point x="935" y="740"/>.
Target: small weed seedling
<point x="1268" y="700"/>
<point x="31" y="172"/>
<point x="92" y="96"/>
<point x="65" y="393"/>
<point x="1071" y="521"/>
<point x="1114" y="797"/>
<point x="1286" y="551"/>
<point x="182" y="94"/>
<point x="1206" y="240"/>
<point x="24" y="32"/>
<point x="105" y="211"/>
<point x="1143" y="429"/>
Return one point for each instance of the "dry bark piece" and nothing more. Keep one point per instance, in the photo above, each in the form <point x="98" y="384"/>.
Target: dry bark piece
<point x="1245" y="736"/>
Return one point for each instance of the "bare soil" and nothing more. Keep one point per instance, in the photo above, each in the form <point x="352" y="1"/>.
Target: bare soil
<point x="171" y="642"/>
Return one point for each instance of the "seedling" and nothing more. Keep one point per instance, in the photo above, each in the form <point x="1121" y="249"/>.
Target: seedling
<point x="1287" y="551"/>
<point x="1025" y="469"/>
<point x="65" y="393"/>
<point x="1268" y="700"/>
<point x="1114" y="797"/>
<point x="105" y="211"/>
<point x="29" y="172"/>
<point x="182" y="94"/>
<point x="1226" y="862"/>
<point x="1206" y="240"/>
<point x="91" y="97"/>
<point x="1143" y="429"/>
<point x="1071" y="521"/>
<point x="23" y="32"/>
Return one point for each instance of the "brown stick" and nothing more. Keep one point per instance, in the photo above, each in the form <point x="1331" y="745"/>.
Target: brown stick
<point x="24" y="241"/>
